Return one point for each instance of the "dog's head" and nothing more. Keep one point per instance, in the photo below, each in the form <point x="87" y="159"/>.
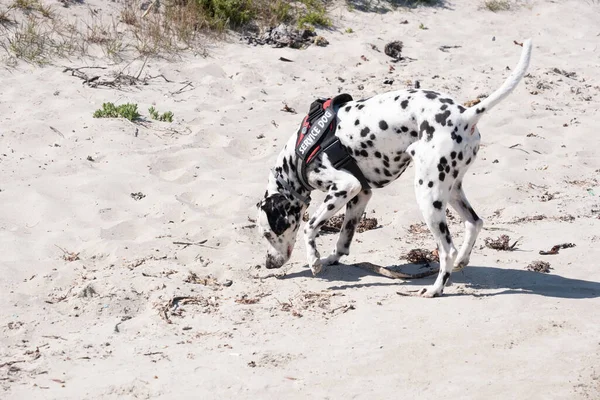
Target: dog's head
<point x="278" y="222"/>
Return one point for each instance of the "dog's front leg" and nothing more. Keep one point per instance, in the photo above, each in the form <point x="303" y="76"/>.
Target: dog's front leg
<point x="344" y="187"/>
<point x="354" y="210"/>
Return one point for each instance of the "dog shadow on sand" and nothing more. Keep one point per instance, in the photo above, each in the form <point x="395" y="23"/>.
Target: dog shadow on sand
<point x="499" y="281"/>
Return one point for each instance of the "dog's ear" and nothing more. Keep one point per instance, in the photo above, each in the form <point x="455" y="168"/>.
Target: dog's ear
<point x="277" y="208"/>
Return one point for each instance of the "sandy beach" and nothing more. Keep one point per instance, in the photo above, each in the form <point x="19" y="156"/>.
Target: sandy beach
<point x="131" y="267"/>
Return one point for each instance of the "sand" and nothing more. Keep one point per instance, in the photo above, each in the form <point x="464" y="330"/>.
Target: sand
<point x="97" y="300"/>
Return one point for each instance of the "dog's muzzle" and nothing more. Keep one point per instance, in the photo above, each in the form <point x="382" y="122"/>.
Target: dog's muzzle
<point x="273" y="262"/>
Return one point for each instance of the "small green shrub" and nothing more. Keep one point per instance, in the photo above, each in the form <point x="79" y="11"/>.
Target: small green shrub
<point x="349" y="30"/>
<point x="232" y="13"/>
<point x="165" y="117"/>
<point x="109" y="110"/>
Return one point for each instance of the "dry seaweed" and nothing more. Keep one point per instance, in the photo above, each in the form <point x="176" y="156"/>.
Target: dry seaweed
<point x="501" y="243"/>
<point x="539" y="266"/>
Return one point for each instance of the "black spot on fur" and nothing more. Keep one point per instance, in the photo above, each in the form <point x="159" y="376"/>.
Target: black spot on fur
<point x="383" y="125"/>
<point x="330" y="207"/>
<point x="327" y="198"/>
<point x="404" y="104"/>
<point x="442" y="176"/>
<point x="443" y="227"/>
<point x="420" y="181"/>
<point x="361" y="106"/>
<point x="386" y="172"/>
<point x="480" y="110"/>
<point x="276" y="207"/>
<point x="455" y="173"/>
<point x="428" y="129"/>
<point x="442" y="117"/>
<point x="431" y="95"/>
<point x="469" y="161"/>
<point x="348" y="108"/>
<point x="357" y="122"/>
<point x="456" y="137"/>
<point x="472" y="212"/>
<point x="370" y="143"/>
<point x="460" y="155"/>
<point x="377" y="170"/>
<point x="414" y="133"/>
<point x="445" y="278"/>
<point x="453" y="155"/>
<point x="386" y="164"/>
<point x="442" y="108"/>
<point x="372" y="137"/>
<point x="447" y="168"/>
<point x="397" y="158"/>
<point x="363" y="145"/>
<point x="377" y="154"/>
<point x="430" y="184"/>
<point x="453" y="163"/>
<point x="461" y="109"/>
<point x="443" y="160"/>
<point x="364" y="153"/>
<point x="396" y="98"/>
<point x="341" y="193"/>
<point x="412" y="152"/>
<point x="365" y="131"/>
<point x="449" y="101"/>
<point x="437" y="204"/>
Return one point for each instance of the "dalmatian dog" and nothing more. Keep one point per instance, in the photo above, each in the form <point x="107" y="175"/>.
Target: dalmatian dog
<point x="383" y="134"/>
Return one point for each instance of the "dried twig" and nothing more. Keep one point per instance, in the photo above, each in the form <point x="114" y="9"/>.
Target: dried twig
<point x="378" y="269"/>
<point x="555" y="249"/>
<point x="201" y="244"/>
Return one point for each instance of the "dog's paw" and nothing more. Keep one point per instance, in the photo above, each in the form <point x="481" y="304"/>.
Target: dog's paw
<point x="460" y="265"/>
<point x="429" y="292"/>
<point x="316" y="267"/>
<point x="330" y="260"/>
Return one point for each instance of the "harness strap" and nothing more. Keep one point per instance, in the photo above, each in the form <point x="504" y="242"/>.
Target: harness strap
<point x="340" y="159"/>
<point x="303" y="199"/>
<point x="317" y="134"/>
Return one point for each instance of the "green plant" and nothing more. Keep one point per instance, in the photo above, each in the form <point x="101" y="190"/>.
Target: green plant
<point x="109" y="110"/>
<point x="422" y="26"/>
<point x="232" y="13"/>
<point x="349" y="30"/>
<point x="26" y="5"/>
<point x="165" y="117"/>
<point x="497" y="5"/>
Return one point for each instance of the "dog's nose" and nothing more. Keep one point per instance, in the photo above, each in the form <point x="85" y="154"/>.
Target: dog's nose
<point x="271" y="262"/>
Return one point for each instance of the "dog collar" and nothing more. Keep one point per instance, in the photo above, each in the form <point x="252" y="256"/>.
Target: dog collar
<point x="303" y="199"/>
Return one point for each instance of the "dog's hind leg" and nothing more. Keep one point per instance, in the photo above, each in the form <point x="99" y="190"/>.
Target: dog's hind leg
<point x="343" y="187"/>
<point x="432" y="192"/>
<point x="354" y="210"/>
<point x="473" y="224"/>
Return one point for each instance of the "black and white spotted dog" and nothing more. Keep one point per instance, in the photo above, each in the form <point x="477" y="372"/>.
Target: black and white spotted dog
<point x="383" y="134"/>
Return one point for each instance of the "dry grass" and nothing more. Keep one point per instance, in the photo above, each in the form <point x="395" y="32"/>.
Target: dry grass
<point x="497" y="5"/>
<point x="34" y="34"/>
<point x="5" y="18"/>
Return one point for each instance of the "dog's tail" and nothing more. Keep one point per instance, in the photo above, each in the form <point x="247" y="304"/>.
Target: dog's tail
<point x="473" y="114"/>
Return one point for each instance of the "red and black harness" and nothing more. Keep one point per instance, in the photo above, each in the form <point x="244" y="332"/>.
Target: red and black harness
<point x="317" y="135"/>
